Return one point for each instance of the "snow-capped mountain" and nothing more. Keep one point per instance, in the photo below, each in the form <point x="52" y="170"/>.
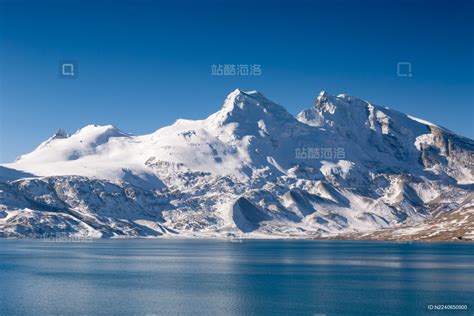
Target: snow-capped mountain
<point x="344" y="167"/>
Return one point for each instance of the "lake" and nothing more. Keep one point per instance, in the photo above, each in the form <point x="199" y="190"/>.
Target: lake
<point x="252" y="277"/>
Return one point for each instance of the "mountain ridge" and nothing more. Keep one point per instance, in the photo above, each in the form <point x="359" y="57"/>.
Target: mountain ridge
<point x="342" y="167"/>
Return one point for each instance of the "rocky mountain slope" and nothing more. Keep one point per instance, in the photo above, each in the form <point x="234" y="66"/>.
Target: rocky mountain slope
<point x="344" y="168"/>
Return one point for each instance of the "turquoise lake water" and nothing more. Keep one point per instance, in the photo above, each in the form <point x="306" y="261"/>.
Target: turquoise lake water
<point x="254" y="277"/>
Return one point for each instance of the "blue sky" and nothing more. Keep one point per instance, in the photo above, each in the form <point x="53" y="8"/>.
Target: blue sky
<point x="143" y="64"/>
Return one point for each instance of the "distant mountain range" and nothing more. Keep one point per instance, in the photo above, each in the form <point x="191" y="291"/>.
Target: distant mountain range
<point x="345" y="168"/>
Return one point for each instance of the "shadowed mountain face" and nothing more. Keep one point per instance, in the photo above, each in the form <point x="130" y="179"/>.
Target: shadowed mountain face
<point x="344" y="167"/>
<point x="7" y="174"/>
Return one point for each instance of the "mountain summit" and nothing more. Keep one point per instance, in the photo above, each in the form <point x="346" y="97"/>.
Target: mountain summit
<point x="342" y="168"/>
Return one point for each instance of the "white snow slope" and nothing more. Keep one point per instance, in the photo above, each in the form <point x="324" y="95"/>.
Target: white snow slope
<point x="251" y="169"/>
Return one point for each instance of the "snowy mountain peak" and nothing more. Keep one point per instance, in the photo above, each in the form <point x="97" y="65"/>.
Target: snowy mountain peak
<point x="328" y="103"/>
<point x="64" y="147"/>
<point x="242" y="99"/>
<point x="249" y="107"/>
<point x="347" y="115"/>
<point x="99" y="129"/>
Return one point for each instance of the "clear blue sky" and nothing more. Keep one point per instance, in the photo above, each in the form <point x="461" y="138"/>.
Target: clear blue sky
<point x="143" y="64"/>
